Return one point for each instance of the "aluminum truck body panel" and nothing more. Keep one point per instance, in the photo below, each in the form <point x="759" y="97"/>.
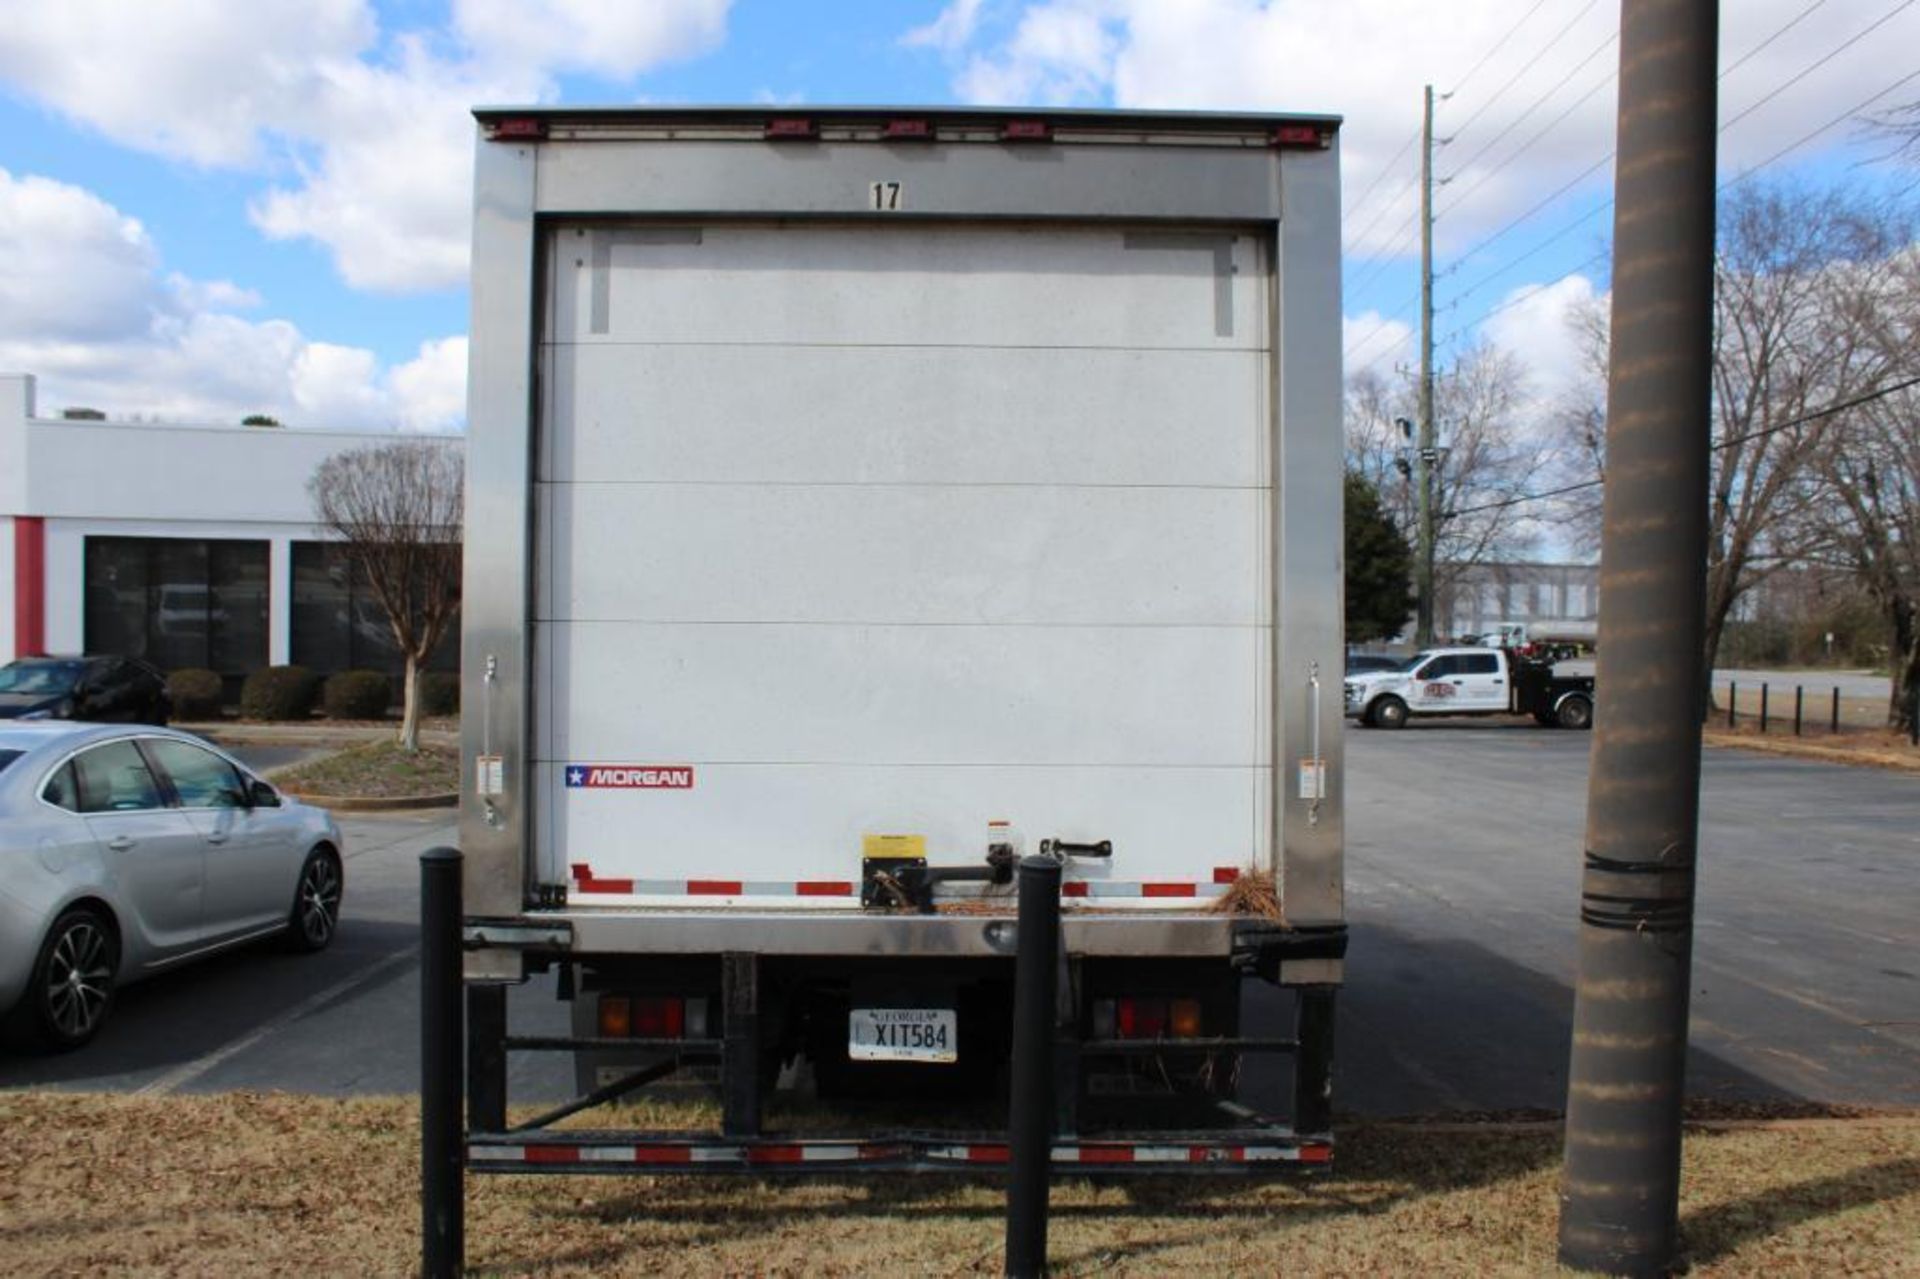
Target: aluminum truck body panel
<point x="835" y="489"/>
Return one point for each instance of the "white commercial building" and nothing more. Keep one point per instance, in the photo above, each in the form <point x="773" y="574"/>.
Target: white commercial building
<point x="191" y="545"/>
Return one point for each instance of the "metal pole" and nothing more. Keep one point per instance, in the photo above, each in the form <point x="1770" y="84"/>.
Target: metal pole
<point x="1763" y="709"/>
<point x="442" y="1196"/>
<point x="1913" y="717"/>
<point x="1424" y="455"/>
<point x="1733" y="700"/>
<point x="1833" y="723"/>
<point x="1626" y="1080"/>
<point x="1030" y="1114"/>
<point x="1799" y="694"/>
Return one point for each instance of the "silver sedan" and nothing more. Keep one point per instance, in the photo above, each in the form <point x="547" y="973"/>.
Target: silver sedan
<point x="127" y="851"/>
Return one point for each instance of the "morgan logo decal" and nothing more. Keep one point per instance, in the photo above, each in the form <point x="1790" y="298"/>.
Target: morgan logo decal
<point x="629" y="777"/>
<point x="1440" y="690"/>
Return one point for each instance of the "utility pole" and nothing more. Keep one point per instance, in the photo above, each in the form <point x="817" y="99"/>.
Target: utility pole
<point x="1425" y="456"/>
<point x="1620" y="1192"/>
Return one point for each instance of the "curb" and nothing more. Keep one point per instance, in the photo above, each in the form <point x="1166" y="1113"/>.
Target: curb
<point x="374" y="803"/>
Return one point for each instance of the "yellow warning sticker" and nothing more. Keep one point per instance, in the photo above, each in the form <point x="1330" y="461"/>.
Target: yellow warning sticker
<point x="893" y="845"/>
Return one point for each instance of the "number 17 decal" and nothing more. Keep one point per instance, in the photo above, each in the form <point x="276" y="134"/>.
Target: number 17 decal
<point x="886" y="197"/>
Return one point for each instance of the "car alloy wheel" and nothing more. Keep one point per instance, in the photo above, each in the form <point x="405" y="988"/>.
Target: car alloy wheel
<point x="1390" y="712"/>
<point x="316" y="907"/>
<point x="76" y="982"/>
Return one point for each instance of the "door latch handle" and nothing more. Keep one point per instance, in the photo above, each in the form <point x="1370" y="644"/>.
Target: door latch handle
<point x="120" y="843"/>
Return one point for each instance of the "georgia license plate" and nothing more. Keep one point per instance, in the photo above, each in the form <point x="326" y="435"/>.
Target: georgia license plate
<point x="902" y="1034"/>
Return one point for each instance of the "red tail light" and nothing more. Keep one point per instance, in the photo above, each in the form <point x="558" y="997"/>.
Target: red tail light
<point x="659" y="1017"/>
<point x="1141" y="1019"/>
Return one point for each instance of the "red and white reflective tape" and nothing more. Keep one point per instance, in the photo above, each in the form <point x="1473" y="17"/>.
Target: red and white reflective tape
<point x="687" y="1154"/>
<point x="1125" y="1152"/>
<point x="586" y="882"/>
<point x="976" y="1154"/>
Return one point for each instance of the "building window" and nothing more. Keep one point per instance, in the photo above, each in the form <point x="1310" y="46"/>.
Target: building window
<point x="337" y="623"/>
<point x="178" y="602"/>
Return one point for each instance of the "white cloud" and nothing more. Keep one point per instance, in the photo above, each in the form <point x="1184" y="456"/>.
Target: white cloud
<point x="97" y="290"/>
<point x="430" y="390"/>
<point x="1373" y="341"/>
<point x="85" y="305"/>
<point x="1060" y="54"/>
<point x="197" y="80"/>
<point x="1535" y="323"/>
<point x="369" y="135"/>
<point x="952" y="29"/>
<point x="616" y="40"/>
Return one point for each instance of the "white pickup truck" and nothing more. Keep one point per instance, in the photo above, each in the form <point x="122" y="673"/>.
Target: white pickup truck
<point x="1469" y="681"/>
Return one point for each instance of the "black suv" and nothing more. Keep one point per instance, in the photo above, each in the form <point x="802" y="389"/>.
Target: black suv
<point x="123" y="689"/>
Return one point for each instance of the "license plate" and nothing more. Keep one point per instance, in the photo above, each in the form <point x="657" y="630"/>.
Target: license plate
<point x="902" y="1034"/>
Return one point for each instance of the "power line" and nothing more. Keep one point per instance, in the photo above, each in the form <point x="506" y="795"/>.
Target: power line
<point x="1380" y="323"/>
<point x="1539" y="102"/>
<point x="1810" y="68"/>
<point x="1526" y="146"/>
<point x="1527" y="66"/>
<point x="1795" y="145"/>
<point x="1831" y="409"/>
<point x="1385" y="258"/>
<point x="1385" y="209"/>
<point x="1842" y="118"/>
<point x="1748" y="56"/>
<point x="1361" y="199"/>
<point x="1498" y="45"/>
<point x="1558" y="191"/>
<point x="1762" y="101"/>
<point x="1518" y="298"/>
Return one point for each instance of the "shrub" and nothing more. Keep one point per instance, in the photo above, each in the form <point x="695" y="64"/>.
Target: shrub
<point x="196" y="694"/>
<point x="357" y="695"/>
<point x="279" y="692"/>
<point x="439" y="693"/>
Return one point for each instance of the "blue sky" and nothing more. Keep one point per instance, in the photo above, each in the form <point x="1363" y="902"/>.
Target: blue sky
<point x="209" y="207"/>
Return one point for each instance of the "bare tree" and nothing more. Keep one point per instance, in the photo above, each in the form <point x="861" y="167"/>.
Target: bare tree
<point x="1790" y="343"/>
<point x="1792" y="339"/>
<point x="1577" y="430"/>
<point x="1489" y="458"/>
<point x="1871" y="517"/>
<point x="397" y="510"/>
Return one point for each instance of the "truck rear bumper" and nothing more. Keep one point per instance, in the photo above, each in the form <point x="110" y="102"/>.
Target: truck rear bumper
<point x="1250" y="1150"/>
<point x="1139" y="934"/>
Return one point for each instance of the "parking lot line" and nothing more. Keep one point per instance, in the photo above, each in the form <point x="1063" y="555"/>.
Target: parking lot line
<point x="192" y="1070"/>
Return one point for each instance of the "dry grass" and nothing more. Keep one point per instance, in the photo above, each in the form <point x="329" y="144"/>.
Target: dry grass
<point x="1253" y="892"/>
<point x="250" y="1184"/>
<point x="378" y="770"/>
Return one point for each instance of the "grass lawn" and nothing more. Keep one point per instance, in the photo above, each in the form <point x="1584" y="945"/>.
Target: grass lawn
<point x="253" y="1184"/>
<point x="378" y="769"/>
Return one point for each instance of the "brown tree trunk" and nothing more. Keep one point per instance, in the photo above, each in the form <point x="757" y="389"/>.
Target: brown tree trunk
<point x="1905" y="663"/>
<point x="410" y="707"/>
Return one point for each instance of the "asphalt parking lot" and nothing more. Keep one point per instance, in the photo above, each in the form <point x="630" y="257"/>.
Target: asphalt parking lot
<point x="1463" y="868"/>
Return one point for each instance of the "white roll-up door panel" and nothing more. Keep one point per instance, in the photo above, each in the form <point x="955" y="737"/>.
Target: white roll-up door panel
<point x="901" y="530"/>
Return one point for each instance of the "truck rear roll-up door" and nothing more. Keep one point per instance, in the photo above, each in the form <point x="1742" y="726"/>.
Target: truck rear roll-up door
<point x="900" y="529"/>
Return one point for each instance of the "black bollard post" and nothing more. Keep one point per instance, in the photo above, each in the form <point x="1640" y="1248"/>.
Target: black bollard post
<point x="1913" y="716"/>
<point x="1799" y="692"/>
<point x="1030" y="1112"/>
<point x="1763" y="710"/>
<point x="1733" y="699"/>
<point x="1833" y="724"/>
<point x="442" y="1196"/>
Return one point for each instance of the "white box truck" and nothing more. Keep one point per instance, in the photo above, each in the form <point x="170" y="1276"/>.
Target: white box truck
<point x="859" y="499"/>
